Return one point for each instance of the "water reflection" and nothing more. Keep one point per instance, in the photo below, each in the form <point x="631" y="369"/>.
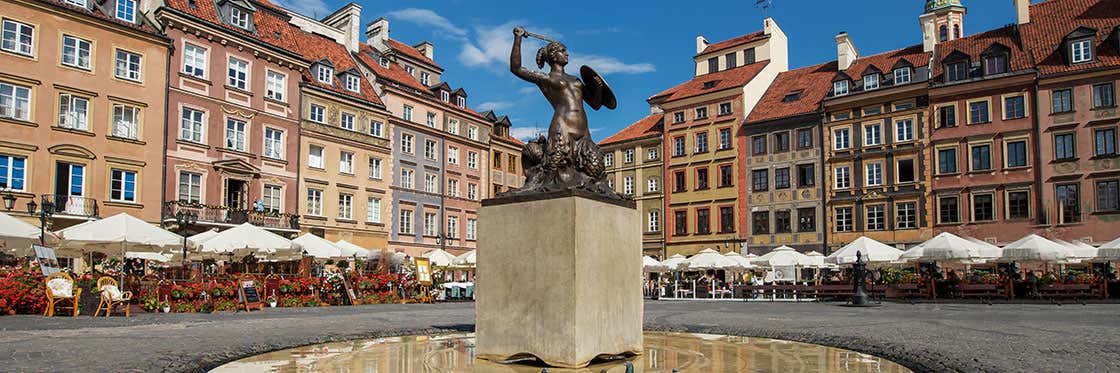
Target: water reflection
<point x="663" y="352"/>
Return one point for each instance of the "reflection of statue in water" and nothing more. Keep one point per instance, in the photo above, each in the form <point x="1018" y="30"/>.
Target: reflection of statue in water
<point x="568" y="159"/>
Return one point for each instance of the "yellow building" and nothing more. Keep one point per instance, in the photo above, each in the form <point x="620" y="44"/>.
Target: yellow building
<point x="634" y="165"/>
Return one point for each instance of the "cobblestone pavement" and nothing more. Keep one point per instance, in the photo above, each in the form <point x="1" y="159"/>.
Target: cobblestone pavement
<point x="924" y="337"/>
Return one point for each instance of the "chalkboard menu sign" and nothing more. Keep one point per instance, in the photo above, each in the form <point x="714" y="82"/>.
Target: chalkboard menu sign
<point x="247" y="292"/>
<point x="350" y="298"/>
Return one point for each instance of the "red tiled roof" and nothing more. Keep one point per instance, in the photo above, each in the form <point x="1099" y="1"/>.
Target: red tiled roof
<point x="643" y="127"/>
<point x="394" y="72"/>
<point x="411" y="52"/>
<point x="730" y="78"/>
<point x="511" y="139"/>
<point x="315" y="48"/>
<point x="141" y="24"/>
<point x="734" y="42"/>
<point x="974" y="45"/>
<point x="270" y="27"/>
<point x="885" y="61"/>
<point x="812" y="84"/>
<point x="1052" y="20"/>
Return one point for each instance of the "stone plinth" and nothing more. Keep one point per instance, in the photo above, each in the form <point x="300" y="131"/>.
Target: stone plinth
<point x="558" y="278"/>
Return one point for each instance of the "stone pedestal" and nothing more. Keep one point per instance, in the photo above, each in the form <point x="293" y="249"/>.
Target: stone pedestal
<point x="559" y="278"/>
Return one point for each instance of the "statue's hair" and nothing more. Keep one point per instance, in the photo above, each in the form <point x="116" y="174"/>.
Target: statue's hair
<point x="544" y="55"/>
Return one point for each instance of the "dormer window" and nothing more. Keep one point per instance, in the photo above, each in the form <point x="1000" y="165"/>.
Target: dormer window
<point x="384" y="61"/>
<point x="1081" y="51"/>
<point x="792" y="96"/>
<point x="323" y="75"/>
<point x="239" y="17"/>
<point x="408" y="69"/>
<point x="956" y="71"/>
<point x="424" y="78"/>
<point x="81" y="3"/>
<point x="353" y="84"/>
<point x="995" y="64"/>
<point x="871" y="82"/>
<point x="445" y="96"/>
<point x="901" y="75"/>
<point x="460" y="101"/>
<point x="840" y="88"/>
<point x="710" y="84"/>
<point x="126" y="10"/>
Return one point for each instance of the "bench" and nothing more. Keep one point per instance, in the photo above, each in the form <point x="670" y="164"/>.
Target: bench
<point x="1074" y="291"/>
<point x="984" y="292"/>
<point x="831" y="291"/>
<point x="907" y="291"/>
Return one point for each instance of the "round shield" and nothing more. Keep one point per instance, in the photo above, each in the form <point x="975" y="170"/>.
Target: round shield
<point x="595" y="90"/>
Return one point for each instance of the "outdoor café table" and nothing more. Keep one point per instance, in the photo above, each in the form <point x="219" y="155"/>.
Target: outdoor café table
<point x="907" y="291"/>
<point x="982" y="291"/>
<point x="1075" y="291"/>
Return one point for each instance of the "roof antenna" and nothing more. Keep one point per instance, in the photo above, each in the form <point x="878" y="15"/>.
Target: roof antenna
<point x="764" y="5"/>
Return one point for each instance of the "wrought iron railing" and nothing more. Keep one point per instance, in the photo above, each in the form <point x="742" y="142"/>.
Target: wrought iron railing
<point x="227" y="215"/>
<point x="61" y="204"/>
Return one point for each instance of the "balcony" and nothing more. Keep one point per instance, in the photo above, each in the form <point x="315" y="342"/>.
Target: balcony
<point x="70" y="206"/>
<point x="226" y="216"/>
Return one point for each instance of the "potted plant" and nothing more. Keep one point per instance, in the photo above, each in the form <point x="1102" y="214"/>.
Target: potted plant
<point x="166" y="307"/>
<point x="271" y="301"/>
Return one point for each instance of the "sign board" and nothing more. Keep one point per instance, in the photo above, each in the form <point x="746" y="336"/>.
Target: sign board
<point x="248" y="295"/>
<point x="424" y="271"/>
<point x="48" y="263"/>
<point x="349" y="298"/>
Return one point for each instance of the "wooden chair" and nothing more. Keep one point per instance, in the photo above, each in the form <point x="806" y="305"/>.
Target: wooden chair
<point x="111" y="296"/>
<point x="61" y="292"/>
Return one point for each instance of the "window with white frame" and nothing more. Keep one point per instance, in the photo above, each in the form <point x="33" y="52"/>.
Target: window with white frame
<point x="128" y="66"/>
<point x="430" y="150"/>
<point x="453" y="227"/>
<point x="383" y="61"/>
<point x="194" y="60"/>
<point x="628" y="185"/>
<point x="431" y="119"/>
<point x="315" y="157"/>
<point x="652" y="184"/>
<point x="452" y="155"/>
<point x="841" y="139"/>
<point x="652" y="153"/>
<point x="906" y="215"/>
<point x="901" y="75"/>
<point x="191" y="125"/>
<point x="628" y="155"/>
<point x="472" y="227"/>
<point x="472" y="160"/>
<point x="315" y="202"/>
<point x="126" y="10"/>
<point x="18" y="37"/>
<point x="73" y="112"/>
<point x="346" y="163"/>
<point x="843" y="177"/>
<point x="1081" y="51"/>
<point x="190" y="187"/>
<point x="238" y="74"/>
<point x="13" y="172"/>
<point x="453" y="126"/>
<point x="425" y="78"/>
<point x="273" y="143"/>
<point x="461" y="101"/>
<point x="406" y="143"/>
<point x="431" y="183"/>
<point x="239" y="18"/>
<point x="408" y="69"/>
<point x="274" y="85"/>
<point x="122" y="185"/>
<point x="608" y="159"/>
<point x="374" y="168"/>
<point x="873" y="135"/>
<point x="844" y="221"/>
<point x="373" y="210"/>
<point x="235" y="134"/>
<point x="126" y="121"/>
<point x="407" y="178"/>
<point x="871" y="82"/>
<point x="653" y="221"/>
<point x="472" y="191"/>
<point x="903" y="130"/>
<point x="346" y="121"/>
<point x="353" y="84"/>
<point x="876" y="217"/>
<point x="76" y="52"/>
<point x="444" y="96"/>
<point x="840" y="88"/>
<point x="345" y="206"/>
<point x="324" y="74"/>
<point x="453" y="187"/>
<point x="472" y="132"/>
<point x="273" y="198"/>
<point x="15" y="101"/>
<point x="404" y="223"/>
<point x="430" y="224"/>
<point x="317" y="114"/>
<point x="874" y="174"/>
<point x="376" y="128"/>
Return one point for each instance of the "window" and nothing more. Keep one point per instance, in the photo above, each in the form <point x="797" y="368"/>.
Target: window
<point x="375" y="168"/>
<point x="1062" y="101"/>
<point x="431" y="119"/>
<point x="724" y="138"/>
<point x="843" y="216"/>
<point x="748" y="56"/>
<point x="453" y="127"/>
<point x="346" y="121"/>
<point x="904" y="130"/>
<point x="628" y="155"/>
<point x="235" y="134"/>
<point x="346" y="163"/>
<point x="782" y="222"/>
<point x="376" y="128"/>
<point x="759" y="180"/>
<point x="872" y="110"/>
<point x="460" y="101"/>
<point x="128" y="66"/>
<point x="324" y="74"/>
<point x="345" y="206"/>
<point x="760" y="222"/>
<point x="373" y="209"/>
<point x="126" y="10"/>
<point x="680" y="223"/>
<point x="840" y="88"/>
<point x="873" y="135"/>
<point x="317" y="114"/>
<point x="874" y="174"/>
<point x="315" y="157"/>
<point x="947" y="161"/>
<point x="804" y="138"/>
<point x="1064" y="146"/>
<point x="702" y="142"/>
<point x="713" y="64"/>
<point x="407" y="178"/>
<point x="239" y="18"/>
<point x="956" y="71"/>
<point x="1104" y="95"/>
<point x="876" y="217"/>
<point x="17" y="37"/>
<point x="781" y="178"/>
<point x="430" y="183"/>
<point x="608" y="159"/>
<point x="978" y="112"/>
<point x="679" y="182"/>
<point x="73" y="112"/>
<point x="701" y="112"/>
<point x="995" y="64"/>
<point x="841" y="139"/>
<point x="126" y="121"/>
<point x="653" y="221"/>
<point x="1014" y="107"/>
<point x="1108" y="195"/>
<point x="731" y="59"/>
<point x="943" y="33"/>
<point x="843" y="177"/>
<point x="472" y="228"/>
<point x="1018" y="205"/>
<point x="1017" y="153"/>
<point x="652" y="154"/>
<point x="1081" y="51"/>
<point x="75" y="52"/>
<point x="871" y="82"/>
<point x="948" y="210"/>
<point x="430" y="224"/>
<point x="472" y="133"/>
<point x="725" y="176"/>
<point x="405" y="222"/>
<point x="758" y="145"/>
<point x="15" y="101"/>
<point x="406" y="113"/>
<point x="452" y="155"/>
<point x="122" y="186"/>
<point x="725" y="108"/>
<point x="274" y="85"/>
<point x="805" y="175"/>
<point x="678" y="146"/>
<point x="678" y="117"/>
<point x="1104" y="141"/>
<point x="807" y="219"/>
<point x="652" y="185"/>
<point x="628" y="185"/>
<point x="194" y="60"/>
<point x="472" y="160"/>
<point x="430" y="150"/>
<point x="453" y="187"/>
<point x="190" y="187"/>
<point x="981" y="157"/>
<point x="406" y="143"/>
<point x="13" y="172"/>
<point x="472" y="191"/>
<point x="315" y="202"/>
<point x="452" y="226"/>
<point x="901" y="75"/>
<point x="272" y="197"/>
<point x="781" y="141"/>
<point x="906" y="215"/>
<point x="238" y="73"/>
<point x="947" y="116"/>
<point x="905" y="171"/>
<point x="425" y="78"/>
<point x="702" y="178"/>
<point x="983" y="207"/>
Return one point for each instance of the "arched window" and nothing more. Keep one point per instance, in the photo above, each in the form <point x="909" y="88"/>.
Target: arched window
<point x="956" y="31"/>
<point x="943" y="33"/>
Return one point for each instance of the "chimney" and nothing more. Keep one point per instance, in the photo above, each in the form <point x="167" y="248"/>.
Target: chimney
<point x="701" y="44"/>
<point x="377" y="32"/>
<point x="347" y="19"/>
<point x="845" y="50"/>
<point x="427" y="48"/>
<point x="1023" y="11"/>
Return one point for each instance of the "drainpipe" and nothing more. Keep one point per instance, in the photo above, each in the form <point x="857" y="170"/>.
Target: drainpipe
<point x="166" y="123"/>
<point x="1037" y="166"/>
<point x="822" y="183"/>
<point x="299" y="155"/>
<point x="442" y="190"/>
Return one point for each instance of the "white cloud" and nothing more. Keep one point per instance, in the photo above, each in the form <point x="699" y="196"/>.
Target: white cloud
<point x="611" y="65"/>
<point x="426" y="17"/>
<point x="491" y="47"/>
<point x="527" y="133"/>
<point x="310" y="8"/>
<point x="495" y="105"/>
<point x="527" y="90"/>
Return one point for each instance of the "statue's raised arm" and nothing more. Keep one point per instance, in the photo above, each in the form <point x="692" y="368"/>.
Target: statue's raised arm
<point x="515" y="60"/>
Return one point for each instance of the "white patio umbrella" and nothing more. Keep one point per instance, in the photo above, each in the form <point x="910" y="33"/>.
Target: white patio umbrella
<point x="1077" y="251"/>
<point x="711" y="259"/>
<point x="439" y="257"/>
<point x="1109" y="251"/>
<point x="398" y="258"/>
<point x="249" y="239"/>
<point x="675" y="262"/>
<point x="17" y="236"/>
<point x="743" y="261"/>
<point x="985" y="250"/>
<point x="1034" y="248"/>
<point x="871" y="251"/>
<point x="914" y="253"/>
<point x="318" y="247"/>
<point x="782" y="256"/>
<point x="816" y="260"/>
<point x="194" y="240"/>
<point x="350" y="250"/>
<point x="649" y="264"/>
<point x="469" y="259"/>
<point x="116" y="235"/>
<point x="156" y="257"/>
<point x="948" y="247"/>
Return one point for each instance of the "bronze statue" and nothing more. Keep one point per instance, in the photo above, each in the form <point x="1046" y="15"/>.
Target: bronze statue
<point x="568" y="159"/>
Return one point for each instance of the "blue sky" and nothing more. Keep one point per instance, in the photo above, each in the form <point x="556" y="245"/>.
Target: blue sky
<point x="640" y="47"/>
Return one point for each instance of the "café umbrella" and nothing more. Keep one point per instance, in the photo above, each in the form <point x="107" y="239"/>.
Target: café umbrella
<point x="439" y="257"/>
<point x="649" y="264"/>
<point x="318" y="247"/>
<point x="1110" y="250"/>
<point x="1034" y="248"/>
<point x="351" y="250"/>
<point x="469" y="259"/>
<point x="17" y="236"/>
<point x="675" y="262"/>
<point x="117" y="235"/>
<point x="947" y="247"/>
<point x="744" y="262"/>
<point x="872" y="252"/>
<point x="248" y="239"/>
<point x="710" y="259"/>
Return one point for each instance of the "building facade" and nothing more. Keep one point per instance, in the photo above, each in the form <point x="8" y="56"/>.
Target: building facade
<point x="703" y="201"/>
<point x="634" y="161"/>
<point x="82" y="103"/>
<point x="505" y="156"/>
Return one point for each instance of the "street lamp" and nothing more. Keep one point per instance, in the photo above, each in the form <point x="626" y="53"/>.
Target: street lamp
<point x="185" y="219"/>
<point x="44" y="213"/>
<point x="9" y="201"/>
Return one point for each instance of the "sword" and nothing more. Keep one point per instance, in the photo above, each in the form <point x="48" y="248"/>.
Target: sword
<point x="535" y="35"/>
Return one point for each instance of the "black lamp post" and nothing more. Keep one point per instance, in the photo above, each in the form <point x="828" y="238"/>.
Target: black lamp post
<point x="185" y="219"/>
<point x="9" y="201"/>
<point x="45" y="212"/>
